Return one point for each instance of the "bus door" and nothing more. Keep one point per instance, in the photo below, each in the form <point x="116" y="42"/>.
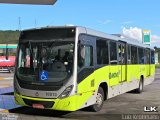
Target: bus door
<point x="122" y="59"/>
<point x="85" y="66"/>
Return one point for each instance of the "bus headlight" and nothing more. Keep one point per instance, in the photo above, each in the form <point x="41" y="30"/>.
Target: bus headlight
<point x="66" y="92"/>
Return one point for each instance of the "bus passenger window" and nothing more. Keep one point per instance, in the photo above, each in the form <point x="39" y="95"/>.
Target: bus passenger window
<point x="152" y="57"/>
<point x="85" y="56"/>
<point x="102" y="52"/>
<point x="119" y="53"/>
<point x="129" y="54"/>
<point x="147" y="56"/>
<point x="140" y="56"/>
<point x="123" y="54"/>
<point x="113" y="53"/>
<point x="134" y="55"/>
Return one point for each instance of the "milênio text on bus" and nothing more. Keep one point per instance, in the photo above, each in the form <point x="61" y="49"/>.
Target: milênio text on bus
<point x="69" y="68"/>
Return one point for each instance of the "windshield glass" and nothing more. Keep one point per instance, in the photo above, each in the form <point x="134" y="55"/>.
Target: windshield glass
<point x="50" y="61"/>
<point x="45" y="56"/>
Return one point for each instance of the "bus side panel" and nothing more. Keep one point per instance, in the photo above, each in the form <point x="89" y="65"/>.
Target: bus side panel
<point x="114" y="75"/>
<point x="86" y="90"/>
<point x="85" y="85"/>
<point x="124" y="73"/>
<point x="133" y="72"/>
<point x="150" y="72"/>
<point x="152" y="69"/>
<point x="129" y="72"/>
<point x="89" y="85"/>
<point x="101" y="75"/>
<point x="137" y="71"/>
<point x="142" y="70"/>
<point x="93" y="81"/>
<point x="147" y="70"/>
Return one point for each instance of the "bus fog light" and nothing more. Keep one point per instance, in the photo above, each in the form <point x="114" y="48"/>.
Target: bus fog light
<point x="66" y="92"/>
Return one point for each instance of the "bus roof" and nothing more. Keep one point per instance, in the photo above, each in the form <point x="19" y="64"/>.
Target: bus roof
<point x="98" y="34"/>
<point x="116" y="38"/>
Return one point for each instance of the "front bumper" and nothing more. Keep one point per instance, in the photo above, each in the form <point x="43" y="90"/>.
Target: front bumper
<point x="71" y="103"/>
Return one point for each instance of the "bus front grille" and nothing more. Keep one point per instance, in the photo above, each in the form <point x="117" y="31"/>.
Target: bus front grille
<point x="46" y="104"/>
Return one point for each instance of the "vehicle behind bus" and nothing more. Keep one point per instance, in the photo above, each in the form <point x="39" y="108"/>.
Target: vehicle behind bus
<point x="7" y="57"/>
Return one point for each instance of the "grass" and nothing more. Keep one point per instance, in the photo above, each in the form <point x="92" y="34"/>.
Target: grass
<point x="9" y="36"/>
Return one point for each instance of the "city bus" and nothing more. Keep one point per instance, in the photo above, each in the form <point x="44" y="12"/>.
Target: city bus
<point x="7" y="57"/>
<point x="68" y="68"/>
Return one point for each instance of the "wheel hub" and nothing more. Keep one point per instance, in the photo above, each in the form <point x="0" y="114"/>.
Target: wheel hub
<point x="99" y="99"/>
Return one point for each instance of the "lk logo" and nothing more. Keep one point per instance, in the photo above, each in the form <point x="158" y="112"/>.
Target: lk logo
<point x="150" y="109"/>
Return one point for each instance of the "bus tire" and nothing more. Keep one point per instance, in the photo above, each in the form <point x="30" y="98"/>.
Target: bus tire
<point x="141" y="85"/>
<point x="99" y="101"/>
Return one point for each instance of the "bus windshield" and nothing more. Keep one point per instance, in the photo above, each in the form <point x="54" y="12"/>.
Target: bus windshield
<point x="53" y="57"/>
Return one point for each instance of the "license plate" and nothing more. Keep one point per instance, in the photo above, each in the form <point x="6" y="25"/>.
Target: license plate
<point x="39" y="106"/>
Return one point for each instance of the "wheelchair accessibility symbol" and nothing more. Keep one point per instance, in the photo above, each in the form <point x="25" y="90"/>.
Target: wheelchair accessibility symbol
<point x="44" y="75"/>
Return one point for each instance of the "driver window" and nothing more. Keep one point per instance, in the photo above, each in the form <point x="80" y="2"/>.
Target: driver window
<point x="85" y="56"/>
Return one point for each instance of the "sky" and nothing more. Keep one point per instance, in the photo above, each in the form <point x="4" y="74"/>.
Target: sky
<point x="110" y="16"/>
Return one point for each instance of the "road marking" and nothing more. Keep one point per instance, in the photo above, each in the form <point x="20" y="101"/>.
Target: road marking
<point x="5" y="86"/>
<point x="7" y="103"/>
<point x="1" y="78"/>
<point x="7" y="78"/>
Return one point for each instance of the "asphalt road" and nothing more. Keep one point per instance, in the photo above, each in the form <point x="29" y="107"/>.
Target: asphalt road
<point x="116" y="108"/>
<point x="6" y="80"/>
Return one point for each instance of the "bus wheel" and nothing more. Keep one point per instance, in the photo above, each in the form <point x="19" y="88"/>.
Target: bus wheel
<point x="99" y="100"/>
<point x="140" y="88"/>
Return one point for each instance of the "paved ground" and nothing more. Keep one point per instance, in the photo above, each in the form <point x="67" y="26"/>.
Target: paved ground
<point x="126" y="104"/>
<point x="6" y="80"/>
